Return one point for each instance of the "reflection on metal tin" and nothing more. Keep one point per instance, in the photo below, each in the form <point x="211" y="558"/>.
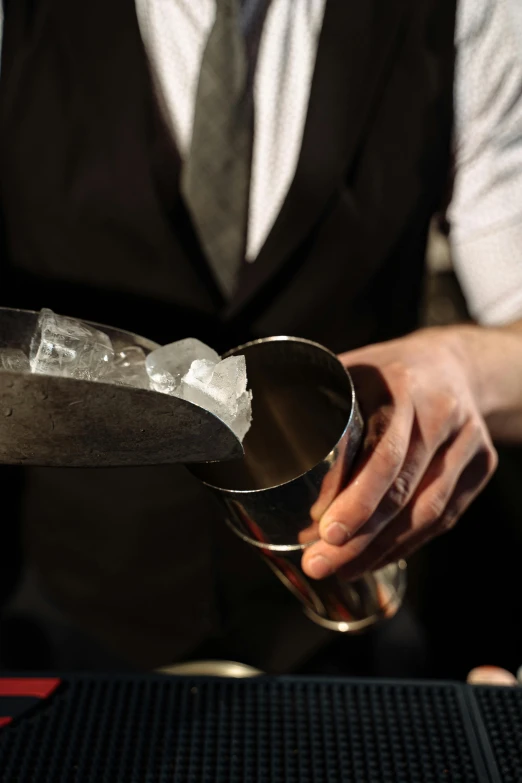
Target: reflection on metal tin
<point x="305" y="434"/>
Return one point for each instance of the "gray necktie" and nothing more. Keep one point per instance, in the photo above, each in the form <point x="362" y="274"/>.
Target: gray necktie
<point x="216" y="175"/>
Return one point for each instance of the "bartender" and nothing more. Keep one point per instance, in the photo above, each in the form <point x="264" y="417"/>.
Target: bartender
<point x="230" y="169"/>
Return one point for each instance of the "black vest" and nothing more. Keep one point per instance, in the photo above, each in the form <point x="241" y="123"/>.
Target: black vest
<point x="89" y="181"/>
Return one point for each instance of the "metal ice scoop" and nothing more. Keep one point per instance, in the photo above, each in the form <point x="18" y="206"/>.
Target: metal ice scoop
<point x="63" y="422"/>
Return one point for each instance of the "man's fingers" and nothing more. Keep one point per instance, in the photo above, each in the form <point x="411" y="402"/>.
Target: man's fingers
<point x="398" y="494"/>
<point x="491" y="675"/>
<point x="456" y="474"/>
<point x="406" y="427"/>
<point x="470" y="484"/>
<point x="386" y="447"/>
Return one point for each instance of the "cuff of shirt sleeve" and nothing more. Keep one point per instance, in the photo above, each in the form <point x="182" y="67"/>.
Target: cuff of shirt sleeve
<point x="489" y="268"/>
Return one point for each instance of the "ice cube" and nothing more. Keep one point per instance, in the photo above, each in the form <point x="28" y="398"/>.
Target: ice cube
<point x="64" y="346"/>
<point x="166" y="366"/>
<point x="229" y="381"/>
<point x="200" y="371"/>
<point x="221" y="389"/>
<point x="196" y="383"/>
<point x="14" y="359"/>
<point x="191" y="370"/>
<point x="128" y="368"/>
<point x="243" y="418"/>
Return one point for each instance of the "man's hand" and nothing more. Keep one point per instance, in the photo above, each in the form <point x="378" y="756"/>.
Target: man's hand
<point x="426" y="455"/>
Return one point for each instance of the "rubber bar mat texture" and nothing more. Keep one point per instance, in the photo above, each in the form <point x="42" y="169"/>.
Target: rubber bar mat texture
<point x="501" y="713"/>
<point x="287" y="730"/>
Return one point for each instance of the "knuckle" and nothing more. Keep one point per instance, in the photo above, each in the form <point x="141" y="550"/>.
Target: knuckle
<point x="448" y="407"/>
<point x="485" y="461"/>
<point x="474" y="431"/>
<point x="378" y="426"/>
<point x="390" y="453"/>
<point x="401" y="374"/>
<point x="432" y="508"/>
<point x="479" y="440"/>
<point x="441" y="415"/>
<point x="492" y="460"/>
<point x="400" y="491"/>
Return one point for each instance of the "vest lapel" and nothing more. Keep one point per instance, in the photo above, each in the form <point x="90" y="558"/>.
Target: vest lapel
<point x="357" y="41"/>
<point x="121" y="118"/>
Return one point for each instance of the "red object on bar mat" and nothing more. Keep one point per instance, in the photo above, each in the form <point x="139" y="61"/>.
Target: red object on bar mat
<point x="38" y="687"/>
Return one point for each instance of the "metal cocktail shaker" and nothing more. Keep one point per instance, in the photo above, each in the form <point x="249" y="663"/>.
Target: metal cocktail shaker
<point x="305" y="434"/>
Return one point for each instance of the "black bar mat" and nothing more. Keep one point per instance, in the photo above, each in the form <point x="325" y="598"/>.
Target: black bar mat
<point x="265" y="730"/>
<point x="501" y="713"/>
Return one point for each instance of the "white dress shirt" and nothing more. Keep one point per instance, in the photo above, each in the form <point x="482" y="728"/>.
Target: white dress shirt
<point x="486" y="210"/>
<point x="175" y="34"/>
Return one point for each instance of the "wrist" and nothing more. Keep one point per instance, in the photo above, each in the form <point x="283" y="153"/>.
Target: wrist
<point x="491" y="358"/>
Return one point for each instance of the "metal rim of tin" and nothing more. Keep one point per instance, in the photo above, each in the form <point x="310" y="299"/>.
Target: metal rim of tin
<point x="271" y="547"/>
<point x="353" y="409"/>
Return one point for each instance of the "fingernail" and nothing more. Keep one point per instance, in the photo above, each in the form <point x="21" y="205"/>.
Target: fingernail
<point x="319" y="567"/>
<point x="336" y="534"/>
